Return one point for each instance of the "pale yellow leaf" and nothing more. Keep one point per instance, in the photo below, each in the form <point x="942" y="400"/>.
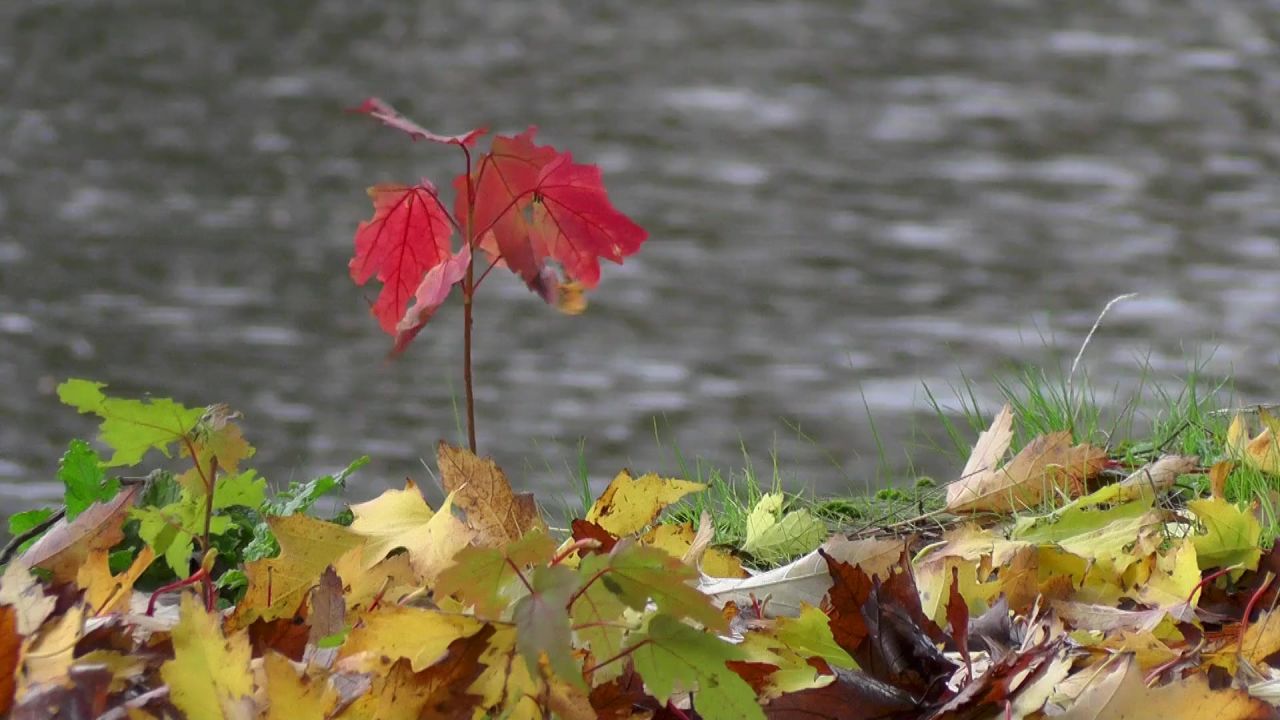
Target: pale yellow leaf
<point x="402" y="519"/>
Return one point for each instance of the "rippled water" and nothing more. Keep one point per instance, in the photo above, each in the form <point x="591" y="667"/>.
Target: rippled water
<point x="844" y="200"/>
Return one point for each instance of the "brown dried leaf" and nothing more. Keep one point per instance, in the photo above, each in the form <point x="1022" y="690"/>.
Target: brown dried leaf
<point x="67" y="545"/>
<point x="1047" y="465"/>
<point x="496" y="514"/>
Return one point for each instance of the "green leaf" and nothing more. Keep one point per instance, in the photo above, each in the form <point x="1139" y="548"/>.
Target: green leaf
<point x="81" y="473"/>
<point x="599" y="612"/>
<point x="25" y="520"/>
<point x="772" y="536"/>
<point x="334" y="640"/>
<point x="674" y="656"/>
<point x="486" y="578"/>
<point x="810" y="634"/>
<point x="300" y="497"/>
<point x="542" y="623"/>
<point x="1231" y="535"/>
<point x="131" y="427"/>
<point x="639" y="573"/>
<point x="245" y="489"/>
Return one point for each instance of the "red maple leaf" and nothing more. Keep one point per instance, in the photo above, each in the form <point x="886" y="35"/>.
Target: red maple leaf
<point x="407" y="236"/>
<point x="429" y="296"/>
<point x="393" y="119"/>
<point x="533" y="204"/>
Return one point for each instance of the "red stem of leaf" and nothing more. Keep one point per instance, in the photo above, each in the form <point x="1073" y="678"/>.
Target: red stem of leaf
<point x="521" y="576"/>
<point x="1253" y="601"/>
<point x="487" y="270"/>
<point x="578" y="593"/>
<point x="580" y="544"/>
<point x="1206" y="580"/>
<point x="195" y="577"/>
<point x="617" y="657"/>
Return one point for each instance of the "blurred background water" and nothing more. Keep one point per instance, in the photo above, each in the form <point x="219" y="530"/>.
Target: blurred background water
<point x="845" y="200"/>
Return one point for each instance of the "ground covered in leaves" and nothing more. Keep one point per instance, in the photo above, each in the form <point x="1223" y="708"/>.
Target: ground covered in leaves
<point x="1049" y="593"/>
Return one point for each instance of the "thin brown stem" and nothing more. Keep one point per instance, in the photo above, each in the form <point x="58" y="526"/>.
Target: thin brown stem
<point x="520" y="575"/>
<point x="468" y="293"/>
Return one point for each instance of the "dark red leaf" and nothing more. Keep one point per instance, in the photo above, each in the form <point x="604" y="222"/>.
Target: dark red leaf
<point x="958" y="619"/>
<point x="10" y="648"/>
<point x="622" y="697"/>
<point x="408" y="236"/>
<point x="587" y="530"/>
<point x="850" y="588"/>
<point x="393" y="119"/>
<point x="755" y="673"/>
<point x="853" y="695"/>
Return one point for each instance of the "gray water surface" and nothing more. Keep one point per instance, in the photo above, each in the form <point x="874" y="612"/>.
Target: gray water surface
<point x="845" y="200"/>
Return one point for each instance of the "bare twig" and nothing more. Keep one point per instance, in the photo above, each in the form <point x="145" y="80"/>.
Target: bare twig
<point x="12" y="547"/>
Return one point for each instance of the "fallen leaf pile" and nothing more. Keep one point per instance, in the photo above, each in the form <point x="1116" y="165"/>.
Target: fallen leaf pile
<point x="1107" y="602"/>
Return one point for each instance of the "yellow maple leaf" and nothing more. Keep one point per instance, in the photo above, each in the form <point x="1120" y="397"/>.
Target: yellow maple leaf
<point x="402" y="519"/>
<point x="629" y="504"/>
<point x="422" y="636"/>
<point x="277" y="586"/>
<point x="480" y="488"/>
<point x="1261" y="452"/>
<point x="506" y="686"/>
<point x="19" y="588"/>
<point x="290" y="695"/>
<point x="676" y="540"/>
<point x="390" y="580"/>
<point x="209" y="676"/>
<point x="106" y="593"/>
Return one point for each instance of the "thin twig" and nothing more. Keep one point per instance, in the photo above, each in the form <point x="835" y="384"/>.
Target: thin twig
<point x="7" y="553"/>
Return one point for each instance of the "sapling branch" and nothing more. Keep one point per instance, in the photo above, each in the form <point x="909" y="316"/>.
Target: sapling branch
<point x="468" y="292"/>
